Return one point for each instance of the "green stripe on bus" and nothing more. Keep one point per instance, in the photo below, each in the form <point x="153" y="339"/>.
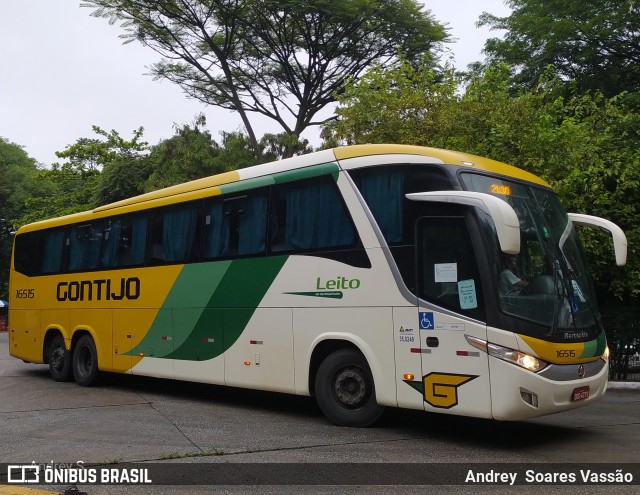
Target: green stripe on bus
<point x="307" y="172"/>
<point x="595" y="347"/>
<point x="192" y="289"/>
<point x="209" y="307"/>
<point x="281" y="177"/>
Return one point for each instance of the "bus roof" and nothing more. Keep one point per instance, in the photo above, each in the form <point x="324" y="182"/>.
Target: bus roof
<point x="212" y="185"/>
<point x="447" y="157"/>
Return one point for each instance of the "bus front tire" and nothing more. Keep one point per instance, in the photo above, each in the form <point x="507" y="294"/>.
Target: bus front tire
<point x="85" y="362"/>
<point x="59" y="360"/>
<point x="345" y="390"/>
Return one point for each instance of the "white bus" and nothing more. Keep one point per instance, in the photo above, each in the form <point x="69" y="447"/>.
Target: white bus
<point x="365" y="276"/>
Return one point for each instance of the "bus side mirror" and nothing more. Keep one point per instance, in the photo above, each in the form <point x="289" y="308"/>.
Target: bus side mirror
<point x="503" y="215"/>
<point x="608" y="227"/>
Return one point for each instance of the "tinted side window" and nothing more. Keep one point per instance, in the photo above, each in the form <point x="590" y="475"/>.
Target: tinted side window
<point x="384" y="189"/>
<point x="31" y="257"/>
<point x="309" y="215"/>
<point x="235" y="225"/>
<point x="124" y="241"/>
<point x="447" y="269"/>
<point x="85" y="242"/>
<point x="174" y="234"/>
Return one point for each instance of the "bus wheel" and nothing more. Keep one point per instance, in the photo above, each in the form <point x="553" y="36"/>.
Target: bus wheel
<point x="345" y="391"/>
<point x="59" y="360"/>
<point x="85" y="362"/>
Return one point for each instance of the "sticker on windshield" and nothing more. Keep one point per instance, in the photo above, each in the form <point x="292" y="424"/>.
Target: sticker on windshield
<point x="445" y="272"/>
<point x="578" y="290"/>
<point x="467" y="294"/>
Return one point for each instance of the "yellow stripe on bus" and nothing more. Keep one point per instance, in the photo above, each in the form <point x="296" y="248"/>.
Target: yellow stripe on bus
<point x="447" y="157"/>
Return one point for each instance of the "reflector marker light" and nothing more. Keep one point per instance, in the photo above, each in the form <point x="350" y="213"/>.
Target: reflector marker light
<point x="408" y="376"/>
<point x="417" y="350"/>
<point x="167" y="337"/>
<point x="468" y="353"/>
<point x="208" y="339"/>
<point x="256" y="342"/>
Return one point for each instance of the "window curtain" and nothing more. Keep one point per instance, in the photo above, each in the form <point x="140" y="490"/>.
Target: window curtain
<point x="384" y="194"/>
<point x="52" y="256"/>
<point x="316" y="219"/>
<point x="111" y="245"/>
<point x="216" y="241"/>
<point x="178" y="234"/>
<point x="138" y="240"/>
<point x="84" y="253"/>
<point x="253" y="226"/>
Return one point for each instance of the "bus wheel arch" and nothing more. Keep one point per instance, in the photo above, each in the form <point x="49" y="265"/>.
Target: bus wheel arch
<point x="56" y="355"/>
<point x="343" y="385"/>
<point x="85" y="359"/>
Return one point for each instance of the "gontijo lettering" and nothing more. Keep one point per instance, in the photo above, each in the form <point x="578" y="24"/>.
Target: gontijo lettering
<point x="99" y="290"/>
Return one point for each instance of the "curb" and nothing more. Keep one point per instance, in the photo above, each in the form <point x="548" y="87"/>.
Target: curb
<point x="623" y="386"/>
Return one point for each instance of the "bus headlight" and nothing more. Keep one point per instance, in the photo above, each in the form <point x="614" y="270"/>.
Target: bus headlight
<point x="605" y="355"/>
<point x="523" y="360"/>
<point x="518" y="358"/>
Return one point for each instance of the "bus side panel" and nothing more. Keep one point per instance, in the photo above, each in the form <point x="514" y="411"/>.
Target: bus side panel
<point x="262" y="357"/>
<point x="199" y="345"/>
<point x="98" y="323"/>
<point x="368" y="328"/>
<point x="129" y="328"/>
<point x="408" y="359"/>
<point x="24" y="335"/>
<point x="157" y="345"/>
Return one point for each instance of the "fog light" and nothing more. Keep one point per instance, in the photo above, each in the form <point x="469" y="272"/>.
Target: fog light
<point x="529" y="398"/>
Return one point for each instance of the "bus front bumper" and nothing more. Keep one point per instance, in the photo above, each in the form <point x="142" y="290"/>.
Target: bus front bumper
<point x="517" y="393"/>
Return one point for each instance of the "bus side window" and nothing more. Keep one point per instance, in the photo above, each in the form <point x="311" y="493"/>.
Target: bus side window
<point x="85" y="241"/>
<point x="124" y="241"/>
<point x="52" y="253"/>
<point x="309" y="215"/>
<point x="447" y="267"/>
<point x="38" y="253"/>
<point x="235" y="226"/>
<point x="174" y="236"/>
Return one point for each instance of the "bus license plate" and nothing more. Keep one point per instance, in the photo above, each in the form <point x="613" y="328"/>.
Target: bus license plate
<point x="580" y="393"/>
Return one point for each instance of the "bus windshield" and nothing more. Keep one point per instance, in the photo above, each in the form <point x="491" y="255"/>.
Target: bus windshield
<point x="548" y="282"/>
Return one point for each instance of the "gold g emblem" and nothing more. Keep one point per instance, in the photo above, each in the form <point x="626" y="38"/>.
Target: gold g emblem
<point x="441" y="389"/>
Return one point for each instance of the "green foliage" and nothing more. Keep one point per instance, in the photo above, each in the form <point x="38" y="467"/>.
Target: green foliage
<point x="83" y="186"/>
<point x="190" y="154"/>
<point x="592" y="44"/>
<point x="586" y="145"/>
<point x="285" y="60"/>
<point x="16" y="173"/>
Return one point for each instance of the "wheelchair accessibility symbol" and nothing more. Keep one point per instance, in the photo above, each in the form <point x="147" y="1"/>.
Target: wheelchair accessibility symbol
<point x="426" y="320"/>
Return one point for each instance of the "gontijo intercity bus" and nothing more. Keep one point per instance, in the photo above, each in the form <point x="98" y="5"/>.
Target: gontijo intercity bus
<point x="366" y="276"/>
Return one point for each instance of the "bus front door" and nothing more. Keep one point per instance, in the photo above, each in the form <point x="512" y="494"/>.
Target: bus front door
<point x="455" y="375"/>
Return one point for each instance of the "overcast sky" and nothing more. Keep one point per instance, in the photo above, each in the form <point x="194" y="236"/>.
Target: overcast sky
<point x="62" y="71"/>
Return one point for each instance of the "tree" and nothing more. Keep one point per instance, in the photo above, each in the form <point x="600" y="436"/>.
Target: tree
<point x="16" y="173"/>
<point x="190" y="154"/>
<point x="285" y="60"/>
<point x="594" y="44"/>
<point x="101" y="170"/>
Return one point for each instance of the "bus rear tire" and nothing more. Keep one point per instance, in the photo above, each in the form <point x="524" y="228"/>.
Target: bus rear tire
<point x="59" y="360"/>
<point x="345" y="390"/>
<point x="85" y="362"/>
